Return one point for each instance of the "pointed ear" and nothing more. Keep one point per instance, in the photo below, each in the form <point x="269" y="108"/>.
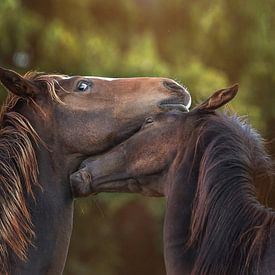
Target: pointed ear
<point x="17" y="84"/>
<point x="219" y="98"/>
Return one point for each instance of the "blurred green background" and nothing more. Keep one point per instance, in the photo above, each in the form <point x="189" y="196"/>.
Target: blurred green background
<point x="203" y="44"/>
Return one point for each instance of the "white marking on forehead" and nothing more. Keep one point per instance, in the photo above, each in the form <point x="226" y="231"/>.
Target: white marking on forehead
<point x="64" y="77"/>
<point x="104" y="78"/>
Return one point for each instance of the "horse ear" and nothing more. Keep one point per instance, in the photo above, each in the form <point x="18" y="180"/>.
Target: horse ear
<point x="17" y="84"/>
<point x="219" y="98"/>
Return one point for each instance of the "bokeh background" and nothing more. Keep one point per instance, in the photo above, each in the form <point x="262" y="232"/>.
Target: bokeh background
<point x="206" y="45"/>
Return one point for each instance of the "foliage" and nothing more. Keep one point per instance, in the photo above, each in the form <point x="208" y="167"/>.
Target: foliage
<point x="205" y="45"/>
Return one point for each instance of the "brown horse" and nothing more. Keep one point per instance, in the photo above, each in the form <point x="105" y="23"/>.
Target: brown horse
<point x="207" y="165"/>
<point x="48" y="125"/>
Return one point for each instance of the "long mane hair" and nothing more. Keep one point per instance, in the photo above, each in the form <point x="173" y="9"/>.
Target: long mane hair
<point x="229" y="229"/>
<point x="18" y="174"/>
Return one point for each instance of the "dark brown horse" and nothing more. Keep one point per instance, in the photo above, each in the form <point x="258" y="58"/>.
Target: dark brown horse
<point x="207" y="165"/>
<point x="48" y="125"/>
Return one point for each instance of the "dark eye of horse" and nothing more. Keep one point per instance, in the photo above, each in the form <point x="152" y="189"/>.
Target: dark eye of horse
<point x="149" y="120"/>
<point x="84" y="85"/>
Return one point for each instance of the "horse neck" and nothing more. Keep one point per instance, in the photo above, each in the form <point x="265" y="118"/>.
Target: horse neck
<point x="51" y="210"/>
<point x="178" y="260"/>
<point x="52" y="216"/>
<point x="214" y="223"/>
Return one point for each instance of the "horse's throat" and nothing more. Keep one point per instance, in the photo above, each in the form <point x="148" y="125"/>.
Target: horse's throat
<point x="52" y="216"/>
<point x="178" y="259"/>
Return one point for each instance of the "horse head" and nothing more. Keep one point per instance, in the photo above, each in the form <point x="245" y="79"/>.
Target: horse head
<point x="49" y="124"/>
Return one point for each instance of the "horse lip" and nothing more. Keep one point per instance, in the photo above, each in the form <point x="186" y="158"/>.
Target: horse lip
<point x="171" y="100"/>
<point x="175" y="103"/>
<point x="174" y="106"/>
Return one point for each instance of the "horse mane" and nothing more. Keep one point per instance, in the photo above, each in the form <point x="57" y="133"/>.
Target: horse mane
<point x="230" y="229"/>
<point x="18" y="174"/>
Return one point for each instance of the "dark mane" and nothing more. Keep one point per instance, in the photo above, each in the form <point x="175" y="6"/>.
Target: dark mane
<point x="18" y="173"/>
<point x="232" y="162"/>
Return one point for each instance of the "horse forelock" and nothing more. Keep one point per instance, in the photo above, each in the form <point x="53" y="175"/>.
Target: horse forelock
<point x="229" y="227"/>
<point x="48" y="80"/>
<point x="18" y="174"/>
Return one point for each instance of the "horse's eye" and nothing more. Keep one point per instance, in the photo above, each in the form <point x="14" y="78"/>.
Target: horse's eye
<point x="149" y="120"/>
<point x="84" y="85"/>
